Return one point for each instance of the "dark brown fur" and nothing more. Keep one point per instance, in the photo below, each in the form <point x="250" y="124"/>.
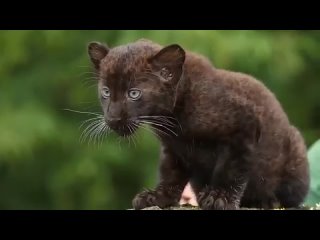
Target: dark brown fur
<point x="235" y="143"/>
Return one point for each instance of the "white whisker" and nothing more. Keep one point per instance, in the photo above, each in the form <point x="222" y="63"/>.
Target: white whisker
<point x="154" y="130"/>
<point x="94" y="133"/>
<point x="86" y="130"/>
<point x="160" y="125"/>
<point x="160" y="121"/>
<point x="89" y="132"/>
<point x="97" y="132"/>
<point x="97" y="114"/>
<point x="131" y="133"/>
<point x="100" y="139"/>
<point x="91" y="119"/>
<point x="147" y="129"/>
<point x="167" y="119"/>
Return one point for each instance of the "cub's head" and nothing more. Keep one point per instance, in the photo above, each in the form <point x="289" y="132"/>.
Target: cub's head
<point x="137" y="84"/>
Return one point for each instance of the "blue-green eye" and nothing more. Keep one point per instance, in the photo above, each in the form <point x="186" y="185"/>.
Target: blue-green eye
<point x="105" y="92"/>
<point x="134" y="94"/>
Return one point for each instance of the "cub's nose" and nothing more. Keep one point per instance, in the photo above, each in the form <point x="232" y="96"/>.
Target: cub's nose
<point x="114" y="122"/>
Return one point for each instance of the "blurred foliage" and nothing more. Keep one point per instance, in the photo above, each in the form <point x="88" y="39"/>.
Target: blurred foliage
<point x="314" y="160"/>
<point x="42" y="163"/>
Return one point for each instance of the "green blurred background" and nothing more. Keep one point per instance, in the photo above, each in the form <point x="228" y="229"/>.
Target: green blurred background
<point x="42" y="163"/>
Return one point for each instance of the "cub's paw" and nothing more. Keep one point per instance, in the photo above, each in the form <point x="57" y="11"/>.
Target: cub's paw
<point x="162" y="197"/>
<point x="217" y="200"/>
<point x="144" y="199"/>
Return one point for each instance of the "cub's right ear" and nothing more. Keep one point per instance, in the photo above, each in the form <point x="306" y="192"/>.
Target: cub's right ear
<point x="97" y="51"/>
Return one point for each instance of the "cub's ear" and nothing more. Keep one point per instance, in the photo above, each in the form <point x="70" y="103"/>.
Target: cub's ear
<point x="172" y="55"/>
<point x="97" y="51"/>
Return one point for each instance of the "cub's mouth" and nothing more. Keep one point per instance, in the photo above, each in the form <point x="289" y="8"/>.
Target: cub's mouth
<point x="125" y="130"/>
<point x="158" y="125"/>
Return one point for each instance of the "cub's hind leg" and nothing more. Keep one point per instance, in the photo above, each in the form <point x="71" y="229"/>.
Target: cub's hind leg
<point x="295" y="182"/>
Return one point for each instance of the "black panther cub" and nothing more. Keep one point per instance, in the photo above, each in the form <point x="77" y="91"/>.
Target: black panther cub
<point x="222" y="131"/>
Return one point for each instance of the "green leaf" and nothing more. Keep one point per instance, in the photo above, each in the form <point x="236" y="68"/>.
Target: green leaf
<point x="314" y="161"/>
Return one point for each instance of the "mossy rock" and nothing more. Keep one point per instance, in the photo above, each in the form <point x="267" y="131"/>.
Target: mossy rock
<point x="189" y="207"/>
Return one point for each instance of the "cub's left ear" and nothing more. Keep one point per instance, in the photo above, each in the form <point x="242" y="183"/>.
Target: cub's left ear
<point x="97" y="51"/>
<point x="172" y="55"/>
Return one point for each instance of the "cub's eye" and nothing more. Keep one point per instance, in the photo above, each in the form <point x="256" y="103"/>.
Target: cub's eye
<point x="134" y="94"/>
<point x="105" y="92"/>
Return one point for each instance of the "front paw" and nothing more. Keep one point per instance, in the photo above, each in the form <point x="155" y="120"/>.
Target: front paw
<point x="217" y="200"/>
<point x="144" y="199"/>
<point x="163" y="196"/>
